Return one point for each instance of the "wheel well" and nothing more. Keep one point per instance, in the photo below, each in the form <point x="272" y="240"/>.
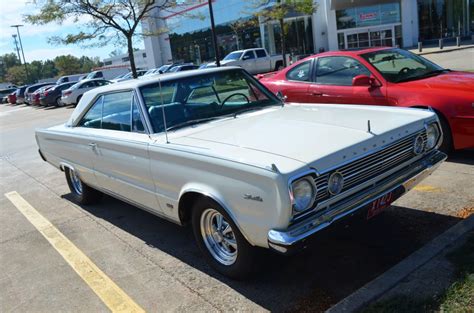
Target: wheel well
<point x="277" y="63"/>
<point x="441" y="117"/>
<point x="185" y="205"/>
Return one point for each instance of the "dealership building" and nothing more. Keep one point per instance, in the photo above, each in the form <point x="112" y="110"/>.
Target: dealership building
<point x="183" y="34"/>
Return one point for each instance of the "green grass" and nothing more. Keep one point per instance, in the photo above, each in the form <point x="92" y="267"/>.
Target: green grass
<point x="459" y="297"/>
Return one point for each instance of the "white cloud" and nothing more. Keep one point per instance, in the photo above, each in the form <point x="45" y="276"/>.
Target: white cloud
<point x="51" y="53"/>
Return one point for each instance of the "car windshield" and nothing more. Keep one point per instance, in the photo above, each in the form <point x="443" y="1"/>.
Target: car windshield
<point x="397" y="65"/>
<point x="199" y="98"/>
<point x="233" y="56"/>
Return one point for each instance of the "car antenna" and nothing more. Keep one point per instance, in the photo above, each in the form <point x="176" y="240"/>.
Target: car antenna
<point x="163" y="112"/>
<point x="369" y="130"/>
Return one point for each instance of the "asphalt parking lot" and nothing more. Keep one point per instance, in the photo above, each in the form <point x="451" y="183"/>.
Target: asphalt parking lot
<point x="157" y="263"/>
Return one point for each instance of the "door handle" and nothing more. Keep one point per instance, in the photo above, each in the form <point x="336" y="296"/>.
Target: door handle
<point x="315" y="93"/>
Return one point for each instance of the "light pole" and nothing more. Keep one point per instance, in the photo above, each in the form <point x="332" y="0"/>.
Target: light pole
<point x="16" y="47"/>
<point x="21" y="46"/>
<point x="213" y="32"/>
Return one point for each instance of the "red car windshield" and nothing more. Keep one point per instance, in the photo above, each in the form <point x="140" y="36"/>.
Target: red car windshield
<point x="397" y="65"/>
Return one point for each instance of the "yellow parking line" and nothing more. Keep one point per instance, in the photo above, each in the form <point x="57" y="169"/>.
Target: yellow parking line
<point x="427" y="188"/>
<point x="111" y="294"/>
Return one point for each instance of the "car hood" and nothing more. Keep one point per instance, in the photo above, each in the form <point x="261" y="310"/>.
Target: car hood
<point x="451" y="81"/>
<point x="318" y="136"/>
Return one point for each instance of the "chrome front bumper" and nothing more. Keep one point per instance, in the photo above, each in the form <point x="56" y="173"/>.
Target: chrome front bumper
<point x="402" y="181"/>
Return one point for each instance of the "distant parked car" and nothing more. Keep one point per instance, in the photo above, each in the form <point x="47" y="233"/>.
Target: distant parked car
<point x="255" y="61"/>
<point x="70" y="78"/>
<point x="107" y="73"/>
<point x="52" y="96"/>
<point x="4" y="94"/>
<point x="73" y="94"/>
<point x="183" y="67"/>
<point x="35" y="97"/>
<point x="20" y="94"/>
<point x="162" y="69"/>
<point x="127" y="76"/>
<point x="12" y="98"/>
<point x="29" y="91"/>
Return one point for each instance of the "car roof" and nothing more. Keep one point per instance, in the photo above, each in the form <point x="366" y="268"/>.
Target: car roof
<point x="348" y="52"/>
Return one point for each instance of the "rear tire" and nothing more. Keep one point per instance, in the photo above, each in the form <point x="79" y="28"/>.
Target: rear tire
<point x="278" y="66"/>
<point x="82" y="193"/>
<point x="58" y="102"/>
<point x="223" y="245"/>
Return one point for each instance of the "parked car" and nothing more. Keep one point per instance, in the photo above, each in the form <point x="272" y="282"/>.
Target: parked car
<point x="107" y="73"/>
<point x="127" y="76"/>
<point x="73" y="94"/>
<point x="384" y="76"/>
<point x="36" y="96"/>
<point x="183" y="67"/>
<point x="255" y="60"/>
<point x="215" y="149"/>
<point x="70" y="78"/>
<point x="20" y="94"/>
<point x="29" y="91"/>
<point x="52" y="96"/>
<point x="12" y="98"/>
<point x="5" y="92"/>
<point x="162" y="69"/>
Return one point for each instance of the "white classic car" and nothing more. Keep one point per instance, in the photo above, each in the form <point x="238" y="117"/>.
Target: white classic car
<point x="215" y="149"/>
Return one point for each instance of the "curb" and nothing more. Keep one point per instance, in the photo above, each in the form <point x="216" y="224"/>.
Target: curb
<point x="443" y="51"/>
<point x="383" y="283"/>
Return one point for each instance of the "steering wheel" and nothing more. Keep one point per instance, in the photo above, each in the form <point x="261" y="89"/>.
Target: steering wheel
<point x="404" y="70"/>
<point x="233" y="95"/>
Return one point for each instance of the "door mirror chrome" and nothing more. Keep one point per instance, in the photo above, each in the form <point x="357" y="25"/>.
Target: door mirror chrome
<point x="365" y="81"/>
<point x="280" y="96"/>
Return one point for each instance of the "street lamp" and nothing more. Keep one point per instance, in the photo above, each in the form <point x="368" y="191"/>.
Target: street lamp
<point x="21" y="46"/>
<point x="213" y="32"/>
<point x="16" y="47"/>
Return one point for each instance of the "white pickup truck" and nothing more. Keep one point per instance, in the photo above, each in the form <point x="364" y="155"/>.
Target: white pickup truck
<point x="254" y="61"/>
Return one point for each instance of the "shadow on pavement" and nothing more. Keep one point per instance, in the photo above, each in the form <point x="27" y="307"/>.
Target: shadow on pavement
<point x="462" y="156"/>
<point x="335" y="263"/>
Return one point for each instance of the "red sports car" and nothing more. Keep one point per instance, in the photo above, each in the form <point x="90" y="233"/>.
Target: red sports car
<point x="383" y="76"/>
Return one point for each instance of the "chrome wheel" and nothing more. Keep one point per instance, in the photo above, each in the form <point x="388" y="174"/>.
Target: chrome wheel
<point x="218" y="237"/>
<point x="75" y="182"/>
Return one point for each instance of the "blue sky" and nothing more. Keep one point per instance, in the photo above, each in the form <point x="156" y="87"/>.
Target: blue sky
<point x="35" y="38"/>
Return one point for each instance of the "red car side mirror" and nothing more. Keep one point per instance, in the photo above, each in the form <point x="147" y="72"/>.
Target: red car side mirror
<point x="365" y="81"/>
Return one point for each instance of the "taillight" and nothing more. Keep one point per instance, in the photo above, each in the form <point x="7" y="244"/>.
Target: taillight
<point x="45" y="94"/>
<point x="66" y="93"/>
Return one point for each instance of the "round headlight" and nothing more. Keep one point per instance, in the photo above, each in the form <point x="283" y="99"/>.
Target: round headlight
<point x="303" y="194"/>
<point x="432" y="136"/>
<point x="335" y="183"/>
<point x="418" y="145"/>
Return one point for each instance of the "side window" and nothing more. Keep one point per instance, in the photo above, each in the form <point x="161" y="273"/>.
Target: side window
<point x="339" y="71"/>
<point x="116" y="111"/>
<point x="137" y="123"/>
<point x="260" y="53"/>
<point x="93" y="117"/>
<point x="300" y="72"/>
<point x="248" y="55"/>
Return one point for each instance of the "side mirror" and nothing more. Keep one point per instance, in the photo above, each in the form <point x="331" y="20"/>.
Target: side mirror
<point x="365" y="81"/>
<point x="280" y="96"/>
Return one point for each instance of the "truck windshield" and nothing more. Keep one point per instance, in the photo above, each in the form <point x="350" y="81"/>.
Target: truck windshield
<point x="233" y="56"/>
<point x="200" y="98"/>
<point x="397" y="65"/>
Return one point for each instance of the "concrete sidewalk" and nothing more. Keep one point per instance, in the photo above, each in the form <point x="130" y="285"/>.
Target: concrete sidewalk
<point x="411" y="274"/>
<point x="448" y="47"/>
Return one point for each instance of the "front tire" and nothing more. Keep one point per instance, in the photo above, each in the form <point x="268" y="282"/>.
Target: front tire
<point x="221" y="242"/>
<point x="81" y="193"/>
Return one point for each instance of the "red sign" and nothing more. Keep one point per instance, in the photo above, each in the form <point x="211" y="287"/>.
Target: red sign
<point x="368" y="16"/>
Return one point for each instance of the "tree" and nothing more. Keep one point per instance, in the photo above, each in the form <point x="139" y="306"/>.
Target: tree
<point x="108" y="20"/>
<point x="16" y="75"/>
<point x="67" y="64"/>
<point x="241" y="25"/>
<point x="7" y="61"/>
<point x="281" y="9"/>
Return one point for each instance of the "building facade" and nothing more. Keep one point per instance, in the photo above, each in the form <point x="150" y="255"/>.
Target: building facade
<point x="123" y="60"/>
<point x="184" y="33"/>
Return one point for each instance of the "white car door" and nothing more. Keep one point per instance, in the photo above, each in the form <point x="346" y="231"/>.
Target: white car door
<point x="122" y="162"/>
<point x="262" y="62"/>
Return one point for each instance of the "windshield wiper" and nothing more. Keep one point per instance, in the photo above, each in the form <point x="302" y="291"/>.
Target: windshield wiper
<point x="192" y="122"/>
<point x="425" y="75"/>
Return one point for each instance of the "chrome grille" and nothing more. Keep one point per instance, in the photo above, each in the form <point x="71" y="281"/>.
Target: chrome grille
<point x="370" y="166"/>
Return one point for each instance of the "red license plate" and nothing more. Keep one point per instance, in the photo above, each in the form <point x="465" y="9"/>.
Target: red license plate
<point x="380" y="204"/>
